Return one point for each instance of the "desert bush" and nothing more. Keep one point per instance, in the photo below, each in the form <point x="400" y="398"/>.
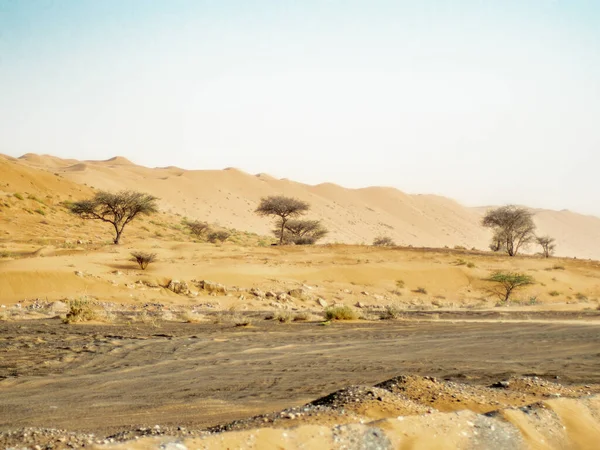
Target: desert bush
<point x="392" y="311"/>
<point x="460" y="262"/>
<point x="420" y="290"/>
<point x="80" y="310"/>
<point x="198" y="229"/>
<point x="554" y="293"/>
<point x="581" y="297"/>
<point x="471" y="265"/>
<point x="241" y="321"/>
<point x="283" y="316"/>
<point x="400" y="284"/>
<point x="218" y="236"/>
<point x="18" y="196"/>
<point x="191" y="316"/>
<point x="383" y="241"/>
<point x="150" y="318"/>
<point x="558" y="267"/>
<point x="340" y="313"/>
<point x="143" y="258"/>
<point x="300" y="232"/>
<point x="507" y="282"/>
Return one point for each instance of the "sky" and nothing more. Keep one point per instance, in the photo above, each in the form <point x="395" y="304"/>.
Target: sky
<point x="484" y="101"/>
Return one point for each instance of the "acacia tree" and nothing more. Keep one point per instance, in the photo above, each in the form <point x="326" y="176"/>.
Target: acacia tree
<point x="283" y="207"/>
<point x="513" y="228"/>
<point x="301" y="232"/>
<point x="117" y="209"/>
<point x="547" y="244"/>
<point x="507" y="282"/>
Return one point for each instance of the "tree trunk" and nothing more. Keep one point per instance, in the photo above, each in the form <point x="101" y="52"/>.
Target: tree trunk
<point x="282" y="228"/>
<point x="118" y="235"/>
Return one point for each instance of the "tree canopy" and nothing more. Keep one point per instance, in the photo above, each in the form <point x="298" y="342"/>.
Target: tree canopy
<point x="283" y="207"/>
<point x="117" y="209"/>
<point x="513" y="228"/>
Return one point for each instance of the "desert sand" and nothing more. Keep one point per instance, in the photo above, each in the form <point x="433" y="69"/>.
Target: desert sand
<point x="227" y="346"/>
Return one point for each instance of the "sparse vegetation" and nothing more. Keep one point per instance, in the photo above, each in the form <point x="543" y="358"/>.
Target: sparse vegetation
<point x="283" y="207"/>
<point x="513" y="228"/>
<point x="554" y="293"/>
<point x="400" y="284"/>
<point x="143" y="258"/>
<point x="340" y="313"/>
<point x="283" y="316"/>
<point x="507" y="282"/>
<point x="117" y="209"/>
<point x="18" y="196"/>
<point x="383" y="241"/>
<point x="420" y="290"/>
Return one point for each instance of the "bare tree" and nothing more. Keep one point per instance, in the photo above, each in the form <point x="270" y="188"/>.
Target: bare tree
<point x="547" y="244"/>
<point x="301" y="232"/>
<point x="507" y="282"/>
<point x="117" y="209"/>
<point x="283" y="207"/>
<point x="513" y="228"/>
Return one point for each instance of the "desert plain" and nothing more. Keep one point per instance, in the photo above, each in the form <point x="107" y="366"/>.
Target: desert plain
<point x="228" y="345"/>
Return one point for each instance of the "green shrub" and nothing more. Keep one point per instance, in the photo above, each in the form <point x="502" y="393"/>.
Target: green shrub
<point x="18" y="196"/>
<point x="340" y="313"/>
<point x="283" y="316"/>
<point x="507" y="282"/>
<point x="40" y="211"/>
<point x="554" y="293"/>
<point x="392" y="311"/>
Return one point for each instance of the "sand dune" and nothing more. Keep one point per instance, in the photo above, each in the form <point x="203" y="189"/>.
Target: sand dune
<point x="228" y="197"/>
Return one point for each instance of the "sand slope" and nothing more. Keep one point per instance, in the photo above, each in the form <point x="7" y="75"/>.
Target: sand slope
<point x="228" y="197"/>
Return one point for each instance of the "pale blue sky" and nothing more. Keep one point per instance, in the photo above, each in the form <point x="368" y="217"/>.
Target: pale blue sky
<point x="485" y="101"/>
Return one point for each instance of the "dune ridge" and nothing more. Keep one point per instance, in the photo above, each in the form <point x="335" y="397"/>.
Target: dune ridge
<point x="228" y="197"/>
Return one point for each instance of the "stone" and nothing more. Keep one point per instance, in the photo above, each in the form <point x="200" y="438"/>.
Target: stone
<point x="297" y="293"/>
<point x="322" y="302"/>
<point x="211" y="287"/>
<point x="257" y="292"/>
<point x="178" y="287"/>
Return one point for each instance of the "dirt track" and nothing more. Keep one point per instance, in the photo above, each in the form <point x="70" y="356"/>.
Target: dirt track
<point x="106" y="378"/>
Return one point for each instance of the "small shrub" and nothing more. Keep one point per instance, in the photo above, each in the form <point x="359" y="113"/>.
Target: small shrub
<point x="218" y="236"/>
<point x="460" y="262"/>
<point x="79" y="311"/>
<point x="340" y="313"/>
<point x="18" y="196"/>
<point x="400" y="284"/>
<point x="558" y="267"/>
<point x="241" y="321"/>
<point x="582" y="298"/>
<point x="40" y="211"/>
<point x="143" y="258"/>
<point x="471" y="265"/>
<point x="459" y="247"/>
<point x="198" y="229"/>
<point x="383" y="241"/>
<point x="283" y="316"/>
<point x="420" y="290"/>
<point x="392" y="311"/>
<point x="554" y="293"/>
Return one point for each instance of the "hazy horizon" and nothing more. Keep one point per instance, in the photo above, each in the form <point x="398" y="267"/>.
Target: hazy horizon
<point x="483" y="102"/>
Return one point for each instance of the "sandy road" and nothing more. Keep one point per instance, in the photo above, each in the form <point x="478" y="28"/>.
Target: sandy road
<point x="104" y="378"/>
